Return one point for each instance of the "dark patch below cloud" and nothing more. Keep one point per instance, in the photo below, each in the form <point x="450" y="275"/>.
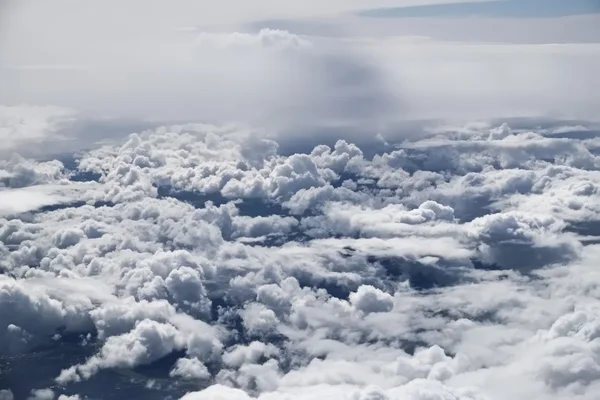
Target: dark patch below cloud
<point x="147" y="381"/>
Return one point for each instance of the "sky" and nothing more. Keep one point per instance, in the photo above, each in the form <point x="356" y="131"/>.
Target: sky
<point x="494" y="9"/>
<point x="353" y="200"/>
<point x="159" y="61"/>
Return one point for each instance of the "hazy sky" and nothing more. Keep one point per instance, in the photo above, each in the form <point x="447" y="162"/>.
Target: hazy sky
<point x="494" y="8"/>
<point x="198" y="60"/>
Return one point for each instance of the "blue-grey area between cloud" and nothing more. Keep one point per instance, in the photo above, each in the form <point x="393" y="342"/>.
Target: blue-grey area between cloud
<point x="493" y="8"/>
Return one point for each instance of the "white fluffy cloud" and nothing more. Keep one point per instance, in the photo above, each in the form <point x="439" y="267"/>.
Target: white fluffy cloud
<point x="459" y="265"/>
<point x="267" y="38"/>
<point x="335" y="240"/>
<point x="148" y="341"/>
<point x="42" y="394"/>
<point x="369" y="299"/>
<point x="190" y="368"/>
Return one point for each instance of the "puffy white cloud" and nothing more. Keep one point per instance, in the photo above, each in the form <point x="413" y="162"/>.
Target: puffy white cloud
<point x="515" y="240"/>
<point x="42" y="394"/>
<point x="417" y="273"/>
<point x="571" y="356"/>
<point x="216" y="392"/>
<point x="417" y="390"/>
<point x="119" y="318"/>
<point x="382" y="221"/>
<point x="18" y="172"/>
<point x="259" y="319"/>
<point x="369" y="299"/>
<point x="252" y="353"/>
<point x="341" y="251"/>
<point x="30" y="315"/>
<point x="266" y="38"/>
<point x="185" y="284"/>
<point x="189" y="368"/>
<point x="148" y="341"/>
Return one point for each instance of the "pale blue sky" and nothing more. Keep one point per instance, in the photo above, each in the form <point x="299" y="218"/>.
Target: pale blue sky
<point x="497" y="8"/>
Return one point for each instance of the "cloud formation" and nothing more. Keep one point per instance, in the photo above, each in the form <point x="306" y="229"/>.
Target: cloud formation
<point x="365" y="211"/>
<point x="441" y="267"/>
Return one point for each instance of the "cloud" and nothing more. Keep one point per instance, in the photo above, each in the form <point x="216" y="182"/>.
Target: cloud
<point x="30" y="316"/>
<point x="369" y="299"/>
<point x="148" y="341"/>
<point x="31" y="126"/>
<point x="6" y="394"/>
<point x="18" y="201"/>
<point x="446" y="266"/>
<point x="266" y="38"/>
<point x="507" y="238"/>
<point x="419" y="390"/>
<point x="347" y="235"/>
<point x="272" y="88"/>
<point x="190" y="368"/>
<point x="351" y="87"/>
<point x="42" y="394"/>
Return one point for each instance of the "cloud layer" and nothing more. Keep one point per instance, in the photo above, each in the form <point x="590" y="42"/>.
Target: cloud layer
<point x="204" y="260"/>
<point x="368" y="210"/>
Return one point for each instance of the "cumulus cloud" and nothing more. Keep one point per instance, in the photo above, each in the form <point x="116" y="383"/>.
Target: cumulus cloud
<point x="190" y="368"/>
<point x="267" y="38"/>
<point x="369" y="299"/>
<point x="148" y="341"/>
<point x="334" y="240"/>
<point x="419" y="390"/>
<point x="30" y="315"/>
<point x="513" y="239"/>
<point x="208" y="259"/>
